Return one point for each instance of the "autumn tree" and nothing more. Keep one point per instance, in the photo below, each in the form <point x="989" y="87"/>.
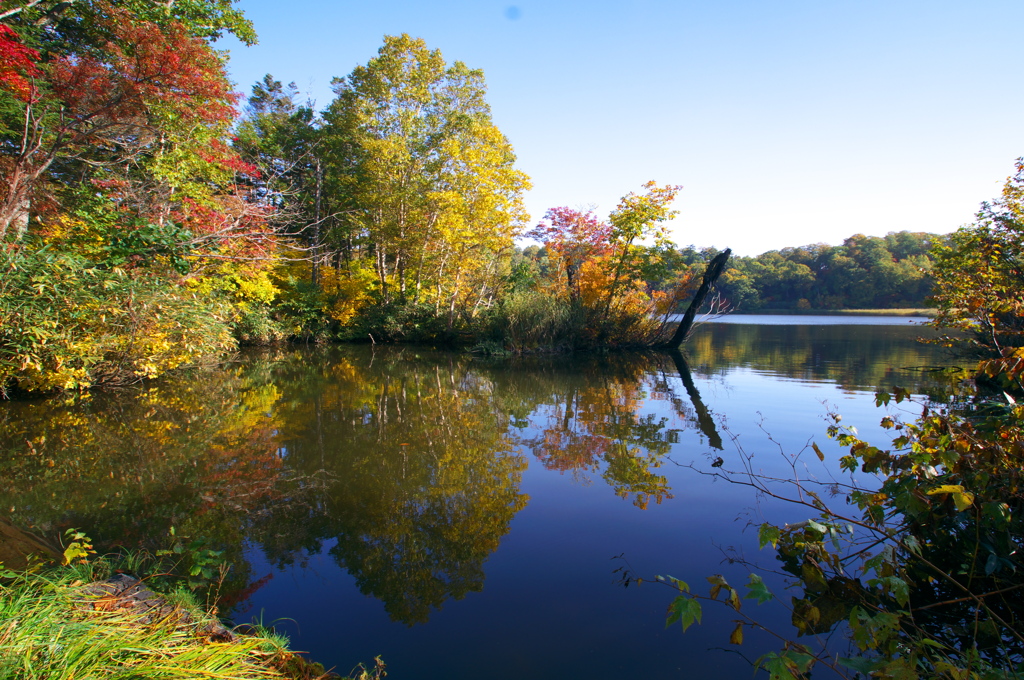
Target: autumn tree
<point x="979" y="279"/>
<point x="609" y="267"/>
<point x="575" y="237"/>
<point x="127" y="97"/>
<point x="431" y="196"/>
<point x="114" y="155"/>
<point x="638" y="216"/>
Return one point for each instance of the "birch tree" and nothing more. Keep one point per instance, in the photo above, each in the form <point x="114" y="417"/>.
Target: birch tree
<point x="428" y="184"/>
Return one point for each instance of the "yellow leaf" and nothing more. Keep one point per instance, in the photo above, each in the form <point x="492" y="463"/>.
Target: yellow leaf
<point x="737" y="635"/>
<point x="821" y="456"/>
<point x="961" y="498"/>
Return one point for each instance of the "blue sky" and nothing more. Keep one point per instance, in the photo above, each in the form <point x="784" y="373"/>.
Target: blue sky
<point x="787" y="122"/>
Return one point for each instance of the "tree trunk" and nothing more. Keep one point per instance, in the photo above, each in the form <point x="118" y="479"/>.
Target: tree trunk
<point x="20" y="221"/>
<point x="572" y="279"/>
<point x="711" y="274"/>
<point x="14" y="209"/>
<point x="316" y="228"/>
<point x="455" y="296"/>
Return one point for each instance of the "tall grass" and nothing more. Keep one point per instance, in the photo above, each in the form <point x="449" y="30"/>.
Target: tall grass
<point x="49" y="631"/>
<point x="536" y="319"/>
<point x="529" y="320"/>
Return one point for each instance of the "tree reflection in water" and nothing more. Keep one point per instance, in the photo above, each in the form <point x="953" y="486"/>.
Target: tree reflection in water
<point x="408" y="463"/>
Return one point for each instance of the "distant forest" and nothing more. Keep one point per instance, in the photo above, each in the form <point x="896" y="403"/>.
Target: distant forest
<point x="865" y="272"/>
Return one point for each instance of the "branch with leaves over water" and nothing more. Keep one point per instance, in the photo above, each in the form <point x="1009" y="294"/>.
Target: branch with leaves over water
<point x="922" y="568"/>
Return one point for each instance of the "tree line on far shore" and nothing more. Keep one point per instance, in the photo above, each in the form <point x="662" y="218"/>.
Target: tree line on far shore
<point x="864" y="272"/>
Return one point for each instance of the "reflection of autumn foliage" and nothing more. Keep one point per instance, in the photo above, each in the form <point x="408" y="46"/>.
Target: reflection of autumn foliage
<point x="423" y="482"/>
<point x="566" y="451"/>
<point x="602" y="426"/>
<point x="196" y="453"/>
<point x="402" y="459"/>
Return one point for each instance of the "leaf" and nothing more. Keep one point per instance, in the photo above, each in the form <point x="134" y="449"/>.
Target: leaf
<point x="961" y="498"/>
<point x="817" y="526"/>
<point x="821" y="456"/>
<point x="684" y="609"/>
<point x="899" y="589"/>
<point x="768" y="533"/>
<point x="756" y="589"/>
<point x="781" y="667"/>
<point x="734" y="599"/>
<point x="679" y="585"/>
<point x="860" y="664"/>
<point x="736" y="638"/>
<point x="717" y="583"/>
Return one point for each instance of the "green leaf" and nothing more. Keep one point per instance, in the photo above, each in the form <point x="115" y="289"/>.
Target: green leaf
<point x="768" y="533"/>
<point x="817" y="526"/>
<point x="860" y="664"/>
<point x="789" y="665"/>
<point x="684" y="609"/>
<point x="898" y="587"/>
<point x="757" y="590"/>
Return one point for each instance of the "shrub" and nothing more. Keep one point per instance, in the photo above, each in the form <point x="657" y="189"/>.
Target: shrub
<point x="921" y="565"/>
<point x="402" y="321"/>
<point x="254" y="326"/>
<point x="68" y="324"/>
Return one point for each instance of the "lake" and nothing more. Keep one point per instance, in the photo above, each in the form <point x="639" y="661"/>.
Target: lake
<point x="466" y="517"/>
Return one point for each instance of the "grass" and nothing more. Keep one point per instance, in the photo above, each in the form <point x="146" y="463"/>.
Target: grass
<point x="49" y="630"/>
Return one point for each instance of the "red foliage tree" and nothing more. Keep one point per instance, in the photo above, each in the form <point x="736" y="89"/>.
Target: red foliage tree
<point x="107" y="105"/>
<point x="17" y="64"/>
<point x="575" y="237"/>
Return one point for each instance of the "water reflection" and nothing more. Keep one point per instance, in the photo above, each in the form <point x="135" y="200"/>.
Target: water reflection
<point x="194" y="452"/>
<point x="423" y="477"/>
<point x="854" y="357"/>
<point x="407" y="464"/>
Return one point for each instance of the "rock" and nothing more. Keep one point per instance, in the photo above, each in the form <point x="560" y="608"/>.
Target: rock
<point x="128" y="594"/>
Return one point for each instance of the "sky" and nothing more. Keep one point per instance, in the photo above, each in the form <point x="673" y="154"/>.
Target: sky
<point x="787" y="122"/>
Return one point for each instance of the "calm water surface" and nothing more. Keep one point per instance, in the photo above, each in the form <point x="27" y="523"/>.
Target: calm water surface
<point x="459" y="516"/>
